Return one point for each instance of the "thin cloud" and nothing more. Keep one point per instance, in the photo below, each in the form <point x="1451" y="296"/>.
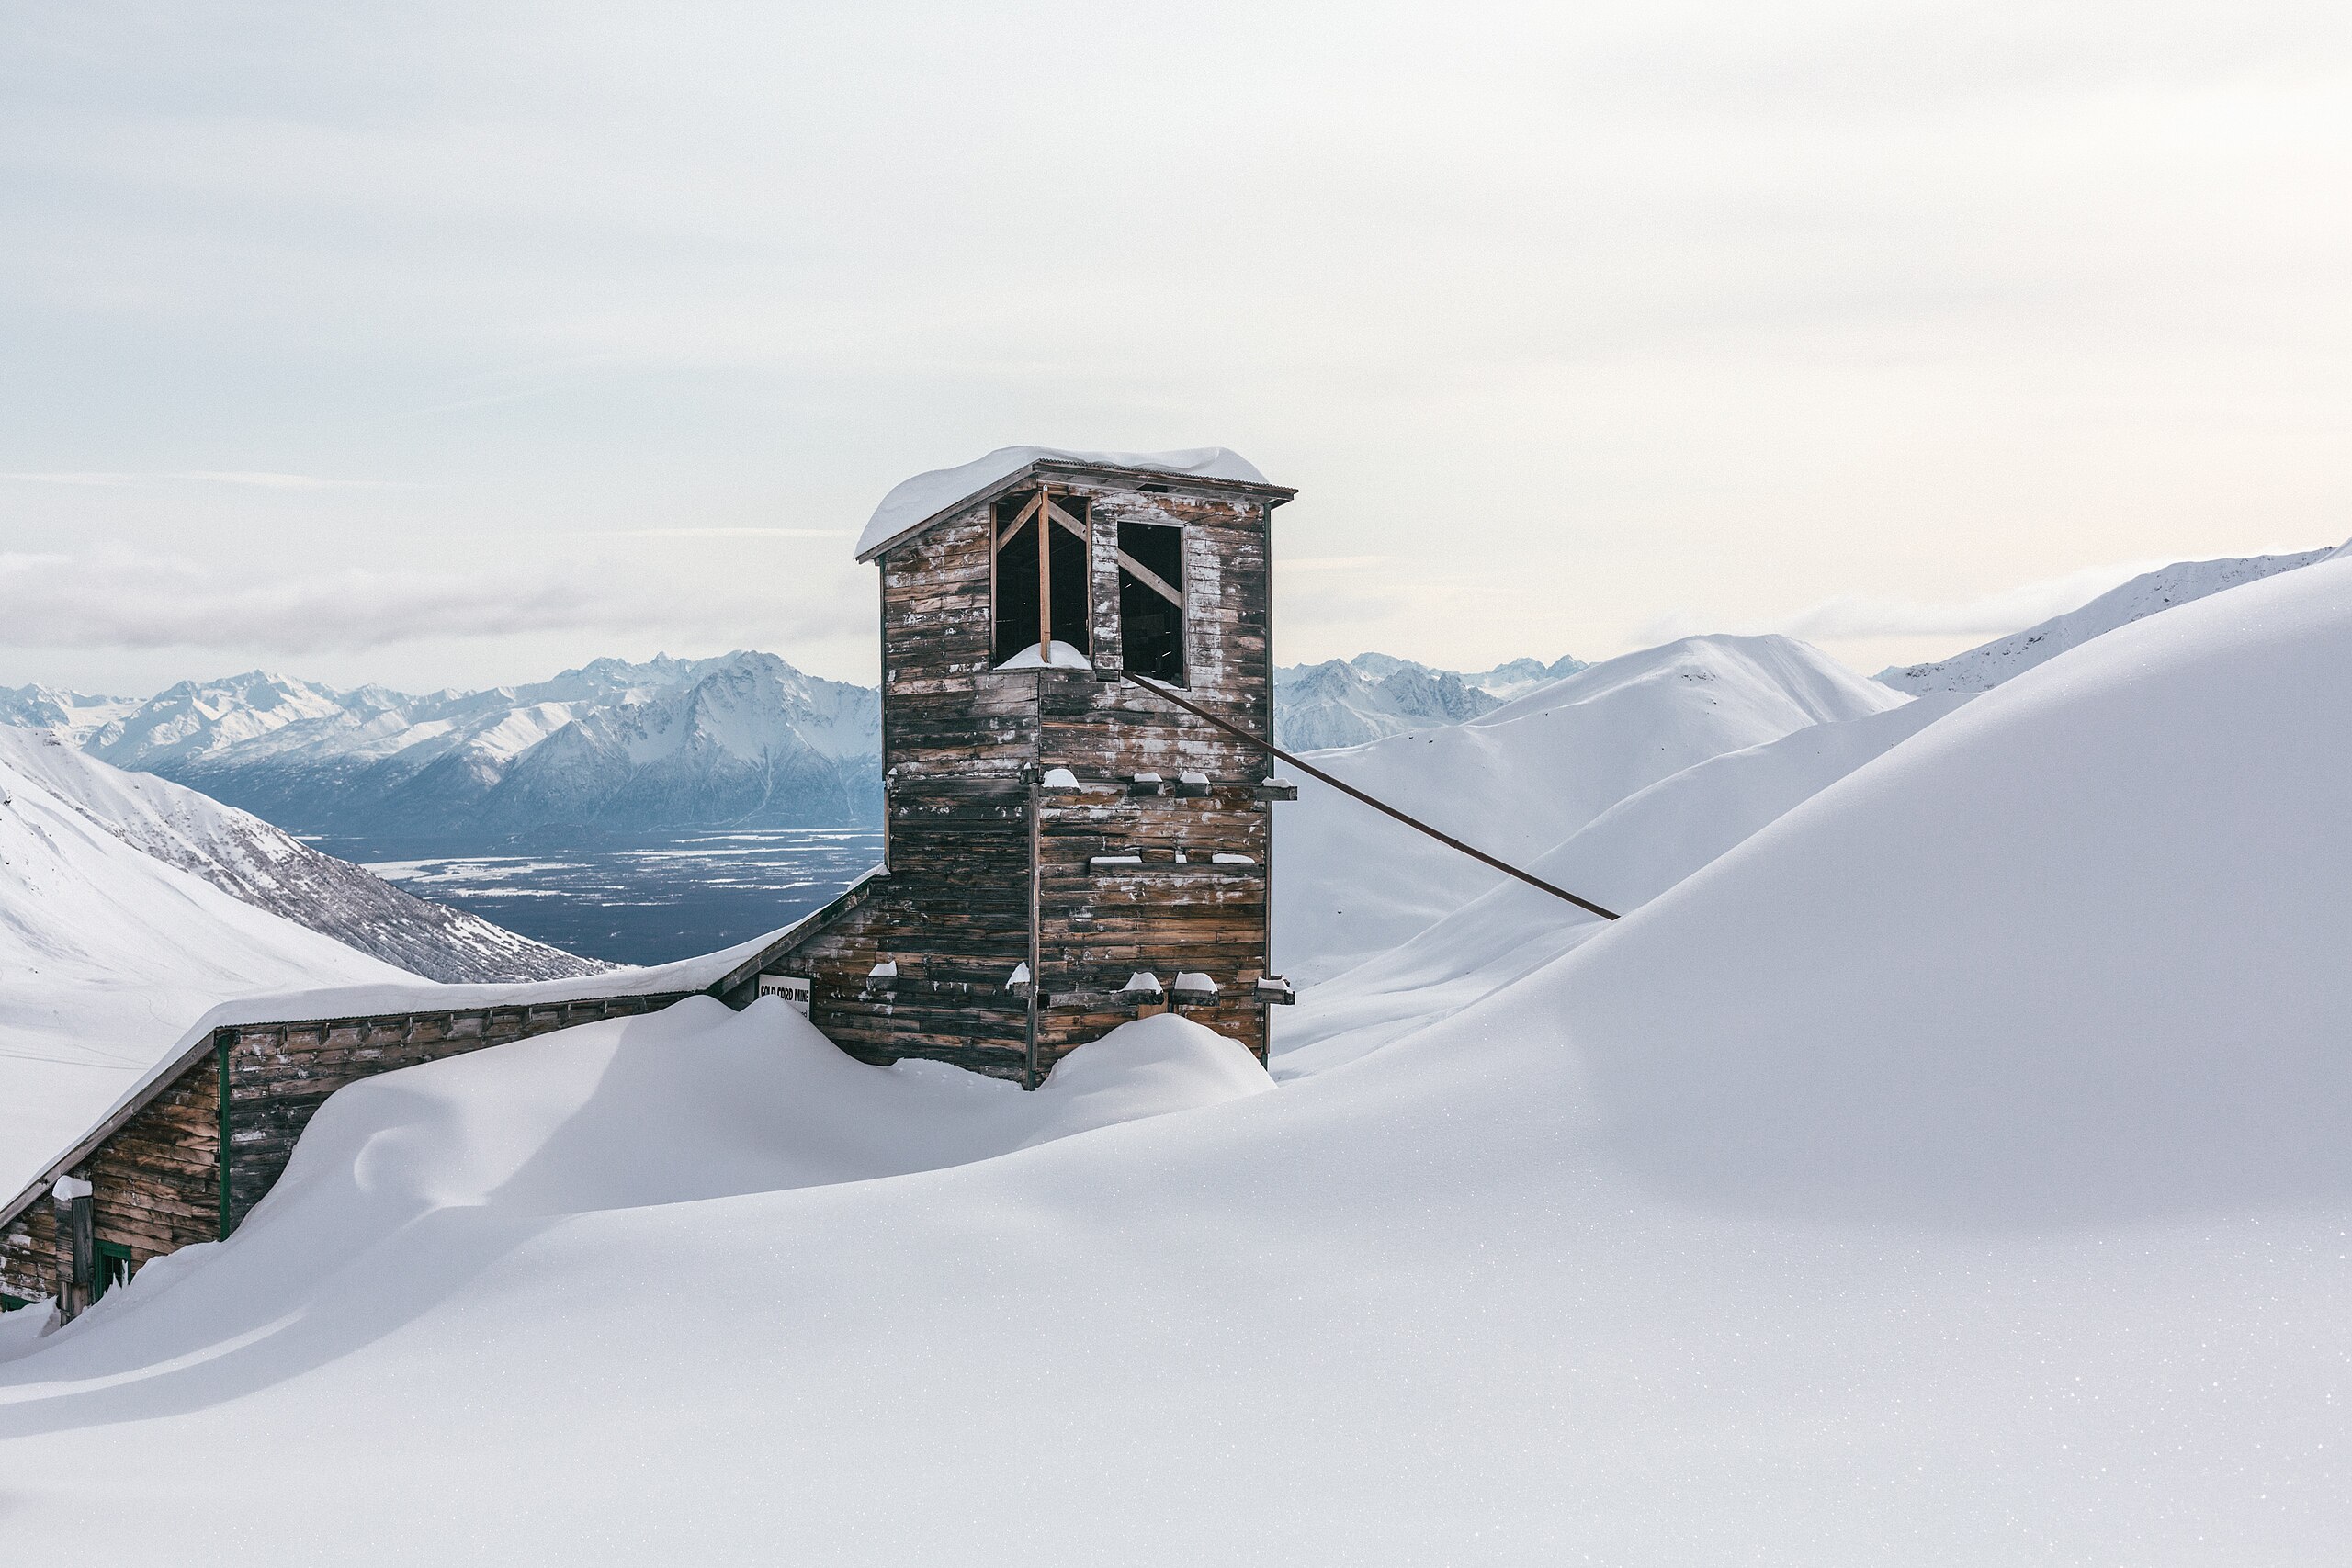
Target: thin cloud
<point x="714" y="533"/>
<point x="121" y="599"/>
<point x="1865" y="615"/>
<point x="1330" y="563"/>
<point x="255" y="478"/>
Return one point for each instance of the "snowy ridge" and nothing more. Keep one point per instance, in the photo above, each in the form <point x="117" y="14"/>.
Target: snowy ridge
<point x="260" y="865"/>
<point x="1981" y="669"/>
<point x="1520" y="779"/>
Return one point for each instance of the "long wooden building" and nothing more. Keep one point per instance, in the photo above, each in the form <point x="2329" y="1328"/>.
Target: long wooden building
<point x="1065" y="847"/>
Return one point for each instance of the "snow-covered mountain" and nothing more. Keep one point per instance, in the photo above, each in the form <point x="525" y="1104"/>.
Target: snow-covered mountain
<point x="1520" y="779"/>
<point x="613" y="745"/>
<point x="1349" y="702"/>
<point x="1952" y="1172"/>
<point x="260" y="865"/>
<point x="1981" y="669"/>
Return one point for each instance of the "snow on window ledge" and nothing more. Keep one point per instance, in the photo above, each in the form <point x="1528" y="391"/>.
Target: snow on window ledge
<point x="1059" y="656"/>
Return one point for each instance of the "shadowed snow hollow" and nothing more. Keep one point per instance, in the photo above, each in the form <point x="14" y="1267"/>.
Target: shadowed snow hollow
<point x="2077" y="949"/>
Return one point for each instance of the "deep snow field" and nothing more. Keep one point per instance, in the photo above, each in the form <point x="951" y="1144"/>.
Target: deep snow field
<point x="1944" y="1162"/>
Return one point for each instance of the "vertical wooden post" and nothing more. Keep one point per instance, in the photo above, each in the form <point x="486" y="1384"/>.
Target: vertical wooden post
<point x="81" y="1288"/>
<point x="1045" y="578"/>
<point x="222" y="1039"/>
<point x="1036" y="884"/>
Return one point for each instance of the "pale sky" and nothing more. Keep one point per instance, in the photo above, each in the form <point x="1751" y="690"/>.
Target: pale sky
<point x="453" y="344"/>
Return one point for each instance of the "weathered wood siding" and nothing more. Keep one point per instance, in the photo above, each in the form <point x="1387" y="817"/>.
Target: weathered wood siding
<point x="961" y="746"/>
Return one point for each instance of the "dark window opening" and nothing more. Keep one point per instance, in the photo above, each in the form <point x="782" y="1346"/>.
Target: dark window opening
<point x="114" y="1269"/>
<point x="1069" y="567"/>
<point x="1151" y="599"/>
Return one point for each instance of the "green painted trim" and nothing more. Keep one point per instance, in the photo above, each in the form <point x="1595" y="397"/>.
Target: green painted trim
<point x="220" y="1074"/>
<point x="12" y="1304"/>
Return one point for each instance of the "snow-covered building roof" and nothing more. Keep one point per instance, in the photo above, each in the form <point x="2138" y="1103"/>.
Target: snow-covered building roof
<point x="915" y="504"/>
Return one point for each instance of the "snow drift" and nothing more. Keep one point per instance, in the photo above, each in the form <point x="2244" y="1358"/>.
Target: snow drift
<point x="2077" y="951"/>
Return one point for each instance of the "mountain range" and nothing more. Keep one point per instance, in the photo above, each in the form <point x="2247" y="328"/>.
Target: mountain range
<point x="1346" y="702"/>
<point x="614" y="746"/>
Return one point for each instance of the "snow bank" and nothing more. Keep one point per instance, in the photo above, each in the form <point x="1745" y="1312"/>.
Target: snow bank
<point x="695" y="1103"/>
<point x="919" y="499"/>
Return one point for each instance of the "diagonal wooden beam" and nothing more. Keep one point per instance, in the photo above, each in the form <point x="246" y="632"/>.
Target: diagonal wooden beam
<point x="1150" y="579"/>
<point x="1067" y="521"/>
<point x="1015" y="527"/>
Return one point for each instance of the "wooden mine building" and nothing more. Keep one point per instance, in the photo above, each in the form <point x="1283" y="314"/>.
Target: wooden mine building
<point x="1065" y="847"/>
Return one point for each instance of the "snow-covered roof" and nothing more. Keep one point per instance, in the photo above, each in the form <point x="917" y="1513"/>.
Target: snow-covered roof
<point x="916" y="504"/>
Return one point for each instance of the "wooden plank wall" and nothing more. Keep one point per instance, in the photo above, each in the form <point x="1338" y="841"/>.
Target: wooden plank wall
<point x="961" y="743"/>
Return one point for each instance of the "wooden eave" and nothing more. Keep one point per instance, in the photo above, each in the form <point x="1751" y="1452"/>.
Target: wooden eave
<point x="1273" y="495"/>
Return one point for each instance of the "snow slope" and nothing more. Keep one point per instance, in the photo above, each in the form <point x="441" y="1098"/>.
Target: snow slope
<point x="1984" y="668"/>
<point x="1622" y="859"/>
<point x="253" y="862"/>
<point x="1949" y="1174"/>
<point x="107" y="955"/>
<point x="1519" y="780"/>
